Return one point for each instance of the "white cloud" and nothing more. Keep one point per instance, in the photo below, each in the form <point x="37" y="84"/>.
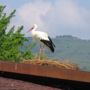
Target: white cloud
<point x="31" y="13"/>
<point x="64" y="15"/>
<point x="67" y="17"/>
<point x="67" y="12"/>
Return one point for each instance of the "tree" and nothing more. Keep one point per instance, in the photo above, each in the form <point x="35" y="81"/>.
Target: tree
<point x="13" y="40"/>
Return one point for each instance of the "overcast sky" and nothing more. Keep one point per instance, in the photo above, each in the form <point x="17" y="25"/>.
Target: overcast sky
<point x="56" y="17"/>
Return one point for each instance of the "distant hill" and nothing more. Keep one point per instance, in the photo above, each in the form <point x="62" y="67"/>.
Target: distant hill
<point x="71" y="49"/>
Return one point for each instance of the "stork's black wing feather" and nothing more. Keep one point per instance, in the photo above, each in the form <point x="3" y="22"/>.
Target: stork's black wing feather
<point x="51" y="41"/>
<point x="49" y="44"/>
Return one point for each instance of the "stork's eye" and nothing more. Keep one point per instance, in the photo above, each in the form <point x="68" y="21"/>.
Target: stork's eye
<point x="32" y="28"/>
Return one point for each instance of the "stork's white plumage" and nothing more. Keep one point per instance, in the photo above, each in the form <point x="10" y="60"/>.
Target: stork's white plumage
<point x="42" y="37"/>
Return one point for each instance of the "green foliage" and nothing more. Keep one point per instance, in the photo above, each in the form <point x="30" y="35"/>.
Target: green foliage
<point x="11" y="41"/>
<point x="27" y="54"/>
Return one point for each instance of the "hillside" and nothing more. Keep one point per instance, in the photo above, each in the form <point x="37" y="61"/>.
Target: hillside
<point x="71" y="49"/>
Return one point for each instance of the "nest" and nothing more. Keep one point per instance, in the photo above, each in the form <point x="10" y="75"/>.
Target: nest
<point x="54" y="63"/>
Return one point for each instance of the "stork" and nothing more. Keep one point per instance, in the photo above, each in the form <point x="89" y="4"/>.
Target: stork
<point x="43" y="38"/>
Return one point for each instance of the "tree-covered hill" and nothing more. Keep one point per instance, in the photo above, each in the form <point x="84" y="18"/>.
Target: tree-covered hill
<point x="73" y="49"/>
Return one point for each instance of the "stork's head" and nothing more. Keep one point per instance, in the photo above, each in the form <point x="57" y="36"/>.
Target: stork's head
<point x="34" y="27"/>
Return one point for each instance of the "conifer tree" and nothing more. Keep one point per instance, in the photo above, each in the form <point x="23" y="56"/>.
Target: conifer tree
<point x="13" y="40"/>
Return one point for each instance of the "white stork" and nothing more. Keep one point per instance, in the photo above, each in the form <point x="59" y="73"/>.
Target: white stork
<point x="42" y="37"/>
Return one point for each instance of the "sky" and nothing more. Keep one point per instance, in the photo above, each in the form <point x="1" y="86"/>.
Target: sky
<point x="56" y="17"/>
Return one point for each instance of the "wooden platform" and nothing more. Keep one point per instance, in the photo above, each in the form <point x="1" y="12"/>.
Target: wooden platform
<point x="45" y="71"/>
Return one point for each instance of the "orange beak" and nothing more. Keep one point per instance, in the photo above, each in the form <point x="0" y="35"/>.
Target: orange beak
<point x="30" y="29"/>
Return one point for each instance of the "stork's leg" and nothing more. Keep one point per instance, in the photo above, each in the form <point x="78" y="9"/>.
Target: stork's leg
<point x="41" y="52"/>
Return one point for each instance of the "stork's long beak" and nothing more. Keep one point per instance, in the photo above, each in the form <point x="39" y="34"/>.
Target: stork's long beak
<point x="30" y="29"/>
